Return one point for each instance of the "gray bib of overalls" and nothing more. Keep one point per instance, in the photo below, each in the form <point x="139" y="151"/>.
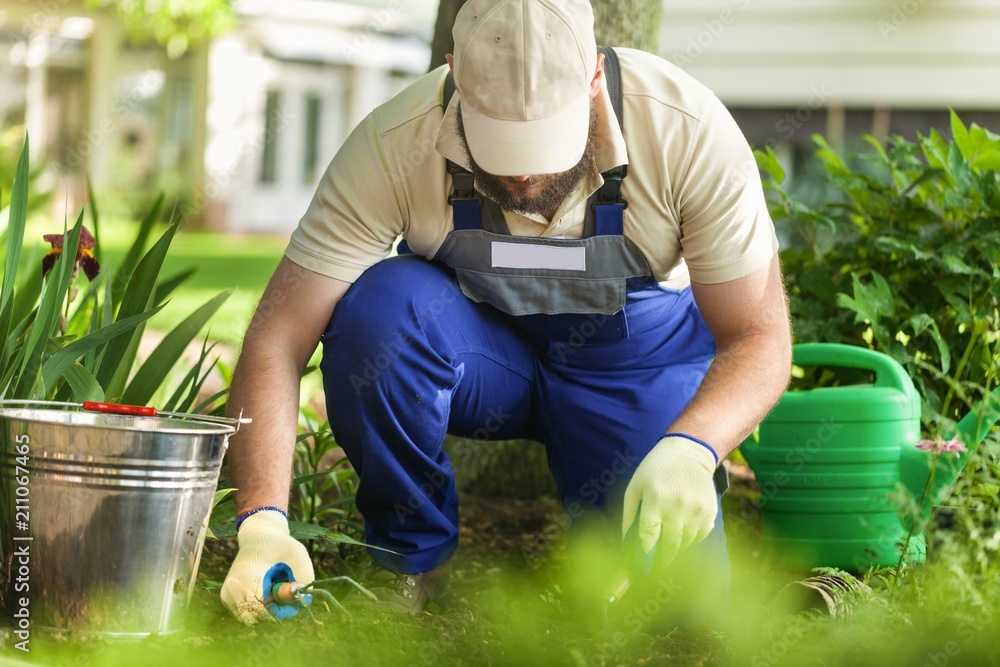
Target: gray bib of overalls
<point x="557" y="288"/>
<point x="521" y="275"/>
<point x="529" y="276"/>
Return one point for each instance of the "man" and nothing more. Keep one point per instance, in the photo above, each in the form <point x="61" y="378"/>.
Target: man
<point x="534" y="302"/>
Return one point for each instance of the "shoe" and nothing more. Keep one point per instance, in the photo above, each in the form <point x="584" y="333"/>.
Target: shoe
<point x="410" y="593"/>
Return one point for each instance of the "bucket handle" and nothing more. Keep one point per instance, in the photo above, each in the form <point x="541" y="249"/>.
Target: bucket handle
<point x="133" y="410"/>
<point x="888" y="371"/>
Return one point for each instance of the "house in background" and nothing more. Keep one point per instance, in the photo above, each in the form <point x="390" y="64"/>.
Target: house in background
<point x="284" y="90"/>
<point x="238" y="130"/>
<point x="842" y="68"/>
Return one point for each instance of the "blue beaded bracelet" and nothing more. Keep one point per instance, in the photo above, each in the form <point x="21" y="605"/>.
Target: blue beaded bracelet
<point x="246" y="515"/>
<point x="700" y="442"/>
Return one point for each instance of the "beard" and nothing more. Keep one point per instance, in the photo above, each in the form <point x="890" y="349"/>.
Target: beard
<point x="555" y="187"/>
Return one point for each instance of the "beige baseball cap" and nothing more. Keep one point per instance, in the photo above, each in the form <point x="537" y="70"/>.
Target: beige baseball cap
<point x="523" y="70"/>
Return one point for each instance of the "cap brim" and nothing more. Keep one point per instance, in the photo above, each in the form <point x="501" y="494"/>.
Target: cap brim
<point x="528" y="147"/>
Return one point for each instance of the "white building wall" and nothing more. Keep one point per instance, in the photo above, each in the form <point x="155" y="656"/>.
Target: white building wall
<point x="276" y="49"/>
<point x="870" y="53"/>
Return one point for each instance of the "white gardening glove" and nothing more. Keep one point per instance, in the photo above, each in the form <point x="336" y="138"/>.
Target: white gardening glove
<point x="264" y="542"/>
<point x="675" y="485"/>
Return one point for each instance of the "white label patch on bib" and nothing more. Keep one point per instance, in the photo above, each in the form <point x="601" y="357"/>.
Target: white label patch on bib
<point x="528" y="256"/>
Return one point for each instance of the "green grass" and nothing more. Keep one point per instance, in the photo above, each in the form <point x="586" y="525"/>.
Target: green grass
<point x="505" y="612"/>
<point x="243" y="264"/>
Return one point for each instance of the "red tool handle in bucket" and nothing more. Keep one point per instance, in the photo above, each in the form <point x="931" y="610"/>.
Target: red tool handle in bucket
<point x="120" y="409"/>
<point x="133" y="410"/>
<point x="147" y="411"/>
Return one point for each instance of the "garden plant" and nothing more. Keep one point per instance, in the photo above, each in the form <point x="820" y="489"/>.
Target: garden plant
<point x="63" y="341"/>
<point x="902" y="259"/>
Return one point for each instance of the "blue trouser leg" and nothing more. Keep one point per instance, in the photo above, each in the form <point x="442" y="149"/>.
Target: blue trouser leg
<point x="407" y="358"/>
<point x="603" y="404"/>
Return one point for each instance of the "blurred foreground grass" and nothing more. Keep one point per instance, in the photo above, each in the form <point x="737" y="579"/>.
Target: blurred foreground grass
<point x="504" y="611"/>
<point x="507" y="622"/>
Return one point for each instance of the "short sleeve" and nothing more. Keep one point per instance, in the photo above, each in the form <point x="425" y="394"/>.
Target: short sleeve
<point x="354" y="217"/>
<point x="726" y="230"/>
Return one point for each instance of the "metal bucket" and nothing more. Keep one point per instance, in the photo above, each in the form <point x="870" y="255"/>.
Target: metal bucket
<point x="102" y="518"/>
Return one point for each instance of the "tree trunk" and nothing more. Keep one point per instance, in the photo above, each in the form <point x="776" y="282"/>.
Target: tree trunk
<point x="500" y="469"/>
<point x="632" y="23"/>
<point x="442" y="42"/>
<point x="518" y="468"/>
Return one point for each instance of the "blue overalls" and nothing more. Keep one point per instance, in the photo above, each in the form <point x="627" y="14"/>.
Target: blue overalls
<point x="569" y="342"/>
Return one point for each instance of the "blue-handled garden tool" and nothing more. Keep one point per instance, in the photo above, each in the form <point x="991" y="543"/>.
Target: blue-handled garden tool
<point x="284" y="597"/>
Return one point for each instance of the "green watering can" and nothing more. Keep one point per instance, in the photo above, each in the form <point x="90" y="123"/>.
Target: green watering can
<point x="829" y="461"/>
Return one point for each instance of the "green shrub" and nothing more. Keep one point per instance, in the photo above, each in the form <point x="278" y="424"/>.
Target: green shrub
<point x="904" y="261"/>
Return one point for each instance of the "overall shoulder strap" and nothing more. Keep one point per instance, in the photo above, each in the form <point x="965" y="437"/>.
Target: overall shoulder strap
<point x="613" y="77"/>
<point x="469" y="209"/>
<point x="606" y="206"/>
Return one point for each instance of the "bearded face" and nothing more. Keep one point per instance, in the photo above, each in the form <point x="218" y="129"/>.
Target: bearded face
<point x="539" y="194"/>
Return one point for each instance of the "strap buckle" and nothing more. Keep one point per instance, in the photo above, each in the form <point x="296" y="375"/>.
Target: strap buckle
<point x="611" y="191"/>
<point x="465" y="183"/>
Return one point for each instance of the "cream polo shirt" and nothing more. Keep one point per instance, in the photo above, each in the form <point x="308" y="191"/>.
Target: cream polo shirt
<point x="693" y="191"/>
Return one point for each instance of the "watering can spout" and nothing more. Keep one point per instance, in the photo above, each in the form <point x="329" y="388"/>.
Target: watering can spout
<point x="915" y="465"/>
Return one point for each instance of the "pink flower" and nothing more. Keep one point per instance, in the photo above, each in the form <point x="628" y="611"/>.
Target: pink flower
<point x="939" y="446"/>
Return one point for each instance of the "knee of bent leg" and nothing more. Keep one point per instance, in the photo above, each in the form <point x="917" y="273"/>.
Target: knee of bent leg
<point x="390" y="297"/>
<point x="392" y="291"/>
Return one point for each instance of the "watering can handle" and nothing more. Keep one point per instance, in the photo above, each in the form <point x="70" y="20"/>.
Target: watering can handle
<point x="750" y="449"/>
<point x="888" y="371"/>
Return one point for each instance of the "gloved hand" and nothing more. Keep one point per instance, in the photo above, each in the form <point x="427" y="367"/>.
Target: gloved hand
<point x="676" y="489"/>
<point x="264" y="541"/>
